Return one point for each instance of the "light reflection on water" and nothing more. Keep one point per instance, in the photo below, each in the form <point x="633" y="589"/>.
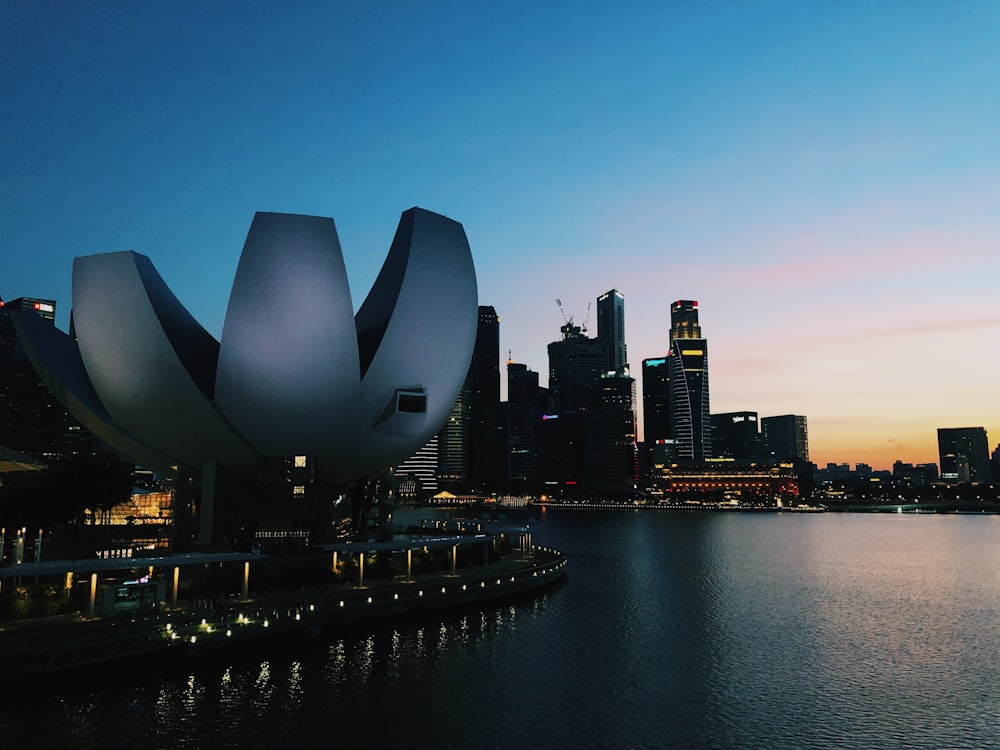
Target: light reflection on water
<point x="717" y="631"/>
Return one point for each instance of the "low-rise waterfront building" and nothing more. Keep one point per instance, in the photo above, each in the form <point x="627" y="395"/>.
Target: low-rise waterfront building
<point x="748" y="483"/>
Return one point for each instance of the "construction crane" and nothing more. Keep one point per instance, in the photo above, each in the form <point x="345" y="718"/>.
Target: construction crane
<point x="568" y="321"/>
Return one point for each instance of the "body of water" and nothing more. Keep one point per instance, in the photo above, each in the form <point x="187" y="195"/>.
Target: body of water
<point x="672" y="630"/>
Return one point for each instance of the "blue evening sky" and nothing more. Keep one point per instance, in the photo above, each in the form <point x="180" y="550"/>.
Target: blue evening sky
<point x="824" y="177"/>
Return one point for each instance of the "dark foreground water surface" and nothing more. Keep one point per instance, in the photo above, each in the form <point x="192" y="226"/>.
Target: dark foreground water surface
<point x="709" y="630"/>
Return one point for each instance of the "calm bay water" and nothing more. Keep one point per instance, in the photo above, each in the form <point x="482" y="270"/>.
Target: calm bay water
<point x="672" y="630"/>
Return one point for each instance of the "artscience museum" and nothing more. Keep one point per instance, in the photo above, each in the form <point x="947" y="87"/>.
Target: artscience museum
<point x="300" y="396"/>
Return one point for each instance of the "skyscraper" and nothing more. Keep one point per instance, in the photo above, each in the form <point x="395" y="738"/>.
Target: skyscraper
<point x="655" y="400"/>
<point x="785" y="438"/>
<point x="453" y="444"/>
<point x="611" y="328"/>
<point x="684" y="320"/>
<point x="32" y="421"/>
<point x="690" y="417"/>
<point x="960" y="447"/>
<point x="484" y="369"/>
<point x="609" y="445"/>
<point x="486" y="461"/>
<point x="735" y="435"/>
<point x="576" y="363"/>
<point x="523" y="415"/>
<point x="591" y="441"/>
<point x="658" y="441"/>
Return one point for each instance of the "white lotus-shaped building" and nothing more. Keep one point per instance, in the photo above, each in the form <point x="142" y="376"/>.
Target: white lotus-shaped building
<point x="296" y="373"/>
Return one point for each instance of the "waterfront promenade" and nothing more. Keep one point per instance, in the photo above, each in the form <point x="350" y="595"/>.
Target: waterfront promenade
<point x="45" y="645"/>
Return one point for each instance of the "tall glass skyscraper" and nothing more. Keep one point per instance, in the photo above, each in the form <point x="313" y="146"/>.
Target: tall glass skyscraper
<point x="523" y="415"/>
<point x="690" y="417"/>
<point x="487" y="446"/>
<point x="453" y="444"/>
<point x="655" y="400"/>
<point x="609" y="437"/>
<point x="611" y="328"/>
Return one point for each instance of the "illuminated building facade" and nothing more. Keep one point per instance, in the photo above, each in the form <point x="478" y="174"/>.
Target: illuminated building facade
<point x="719" y="480"/>
<point x="684" y="320"/>
<point x="690" y="416"/>
<point x="421" y="468"/>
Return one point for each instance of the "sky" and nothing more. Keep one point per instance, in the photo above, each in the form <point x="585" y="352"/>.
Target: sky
<point x="824" y="178"/>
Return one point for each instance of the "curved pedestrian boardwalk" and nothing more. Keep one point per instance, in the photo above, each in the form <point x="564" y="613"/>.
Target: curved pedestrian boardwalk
<point x="36" y="648"/>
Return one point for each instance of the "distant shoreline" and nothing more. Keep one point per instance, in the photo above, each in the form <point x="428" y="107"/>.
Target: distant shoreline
<point x="906" y="508"/>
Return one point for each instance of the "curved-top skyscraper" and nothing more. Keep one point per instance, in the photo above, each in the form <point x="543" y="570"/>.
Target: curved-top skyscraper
<point x="690" y="417"/>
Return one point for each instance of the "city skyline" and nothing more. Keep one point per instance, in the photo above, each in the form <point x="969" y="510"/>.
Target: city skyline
<point x="822" y="179"/>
